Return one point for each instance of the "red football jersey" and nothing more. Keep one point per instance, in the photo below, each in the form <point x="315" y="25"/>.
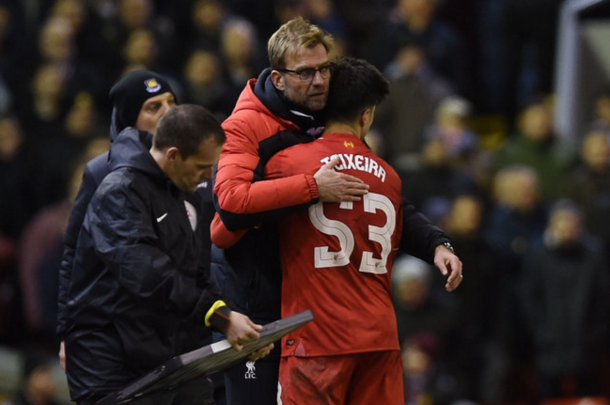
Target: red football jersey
<point x="337" y="257"/>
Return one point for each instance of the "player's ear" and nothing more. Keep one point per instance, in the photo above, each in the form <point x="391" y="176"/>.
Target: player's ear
<point x="278" y="80"/>
<point x="365" y="115"/>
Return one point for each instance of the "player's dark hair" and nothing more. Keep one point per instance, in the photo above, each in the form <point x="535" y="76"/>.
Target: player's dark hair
<point x="355" y="86"/>
<point x="185" y="127"/>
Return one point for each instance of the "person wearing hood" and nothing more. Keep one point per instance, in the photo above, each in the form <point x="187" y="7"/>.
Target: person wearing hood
<point x="140" y="292"/>
<point x="139" y="100"/>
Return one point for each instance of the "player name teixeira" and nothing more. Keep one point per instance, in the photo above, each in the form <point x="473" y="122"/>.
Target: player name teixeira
<point x="350" y="161"/>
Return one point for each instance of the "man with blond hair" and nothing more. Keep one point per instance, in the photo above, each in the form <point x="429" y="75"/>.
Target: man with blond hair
<point x="281" y="108"/>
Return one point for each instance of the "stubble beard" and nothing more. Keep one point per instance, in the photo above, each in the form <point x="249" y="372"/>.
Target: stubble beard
<point x="316" y="104"/>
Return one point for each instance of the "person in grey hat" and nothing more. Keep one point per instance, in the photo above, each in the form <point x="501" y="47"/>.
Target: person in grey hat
<point x="139" y="100"/>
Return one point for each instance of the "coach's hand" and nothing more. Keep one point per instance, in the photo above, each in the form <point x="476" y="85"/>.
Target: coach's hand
<point x="450" y="265"/>
<point x="338" y="187"/>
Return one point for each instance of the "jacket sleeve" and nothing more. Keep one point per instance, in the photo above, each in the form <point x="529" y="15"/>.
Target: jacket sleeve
<point x="223" y="238"/>
<point x="120" y="225"/>
<point x="242" y="197"/>
<point x="420" y="237"/>
<point x="77" y="216"/>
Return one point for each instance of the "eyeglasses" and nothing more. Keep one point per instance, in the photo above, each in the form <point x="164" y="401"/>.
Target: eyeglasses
<point x="308" y="74"/>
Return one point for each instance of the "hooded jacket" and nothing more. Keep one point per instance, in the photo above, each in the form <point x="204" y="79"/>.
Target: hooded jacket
<point x="257" y="129"/>
<point x="249" y="272"/>
<point x="95" y="171"/>
<point x="139" y="275"/>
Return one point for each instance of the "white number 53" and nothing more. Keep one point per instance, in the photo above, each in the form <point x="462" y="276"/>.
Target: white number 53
<point x="372" y="203"/>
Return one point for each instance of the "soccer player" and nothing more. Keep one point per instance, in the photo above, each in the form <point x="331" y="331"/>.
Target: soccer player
<point x="336" y="259"/>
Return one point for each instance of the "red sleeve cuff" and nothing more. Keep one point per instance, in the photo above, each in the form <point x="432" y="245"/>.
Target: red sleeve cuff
<point x="313" y="188"/>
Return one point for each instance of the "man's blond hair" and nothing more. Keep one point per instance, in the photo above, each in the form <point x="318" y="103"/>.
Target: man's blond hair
<point x="293" y="36"/>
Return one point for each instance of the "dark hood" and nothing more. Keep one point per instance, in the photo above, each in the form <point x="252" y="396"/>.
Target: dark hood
<point x="278" y="104"/>
<point x="131" y="149"/>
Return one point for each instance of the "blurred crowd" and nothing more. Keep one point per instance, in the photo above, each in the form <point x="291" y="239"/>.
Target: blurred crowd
<point x="468" y="126"/>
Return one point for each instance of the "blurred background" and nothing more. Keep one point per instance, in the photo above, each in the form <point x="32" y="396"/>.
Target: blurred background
<point x="498" y="122"/>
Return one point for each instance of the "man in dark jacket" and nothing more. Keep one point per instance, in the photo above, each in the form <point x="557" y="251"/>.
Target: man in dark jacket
<point x="139" y="290"/>
<point x="140" y="99"/>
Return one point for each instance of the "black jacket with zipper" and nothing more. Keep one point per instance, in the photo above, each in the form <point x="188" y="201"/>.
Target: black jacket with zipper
<point x="139" y="290"/>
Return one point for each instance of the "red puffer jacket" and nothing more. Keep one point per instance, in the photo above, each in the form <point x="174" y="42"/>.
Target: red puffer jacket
<point x="255" y="133"/>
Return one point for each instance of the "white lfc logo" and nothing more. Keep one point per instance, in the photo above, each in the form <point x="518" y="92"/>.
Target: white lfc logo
<point x="251" y="372"/>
